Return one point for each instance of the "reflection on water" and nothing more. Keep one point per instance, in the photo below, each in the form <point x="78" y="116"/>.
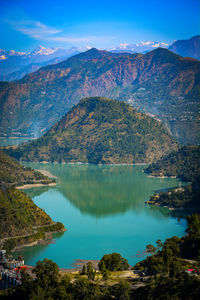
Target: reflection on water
<point x="37" y="249"/>
<point x="104" y="190"/>
<point x="14" y="141"/>
<point x="103" y="209"/>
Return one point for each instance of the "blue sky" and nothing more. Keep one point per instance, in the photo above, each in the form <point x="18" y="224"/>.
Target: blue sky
<point x="62" y="23"/>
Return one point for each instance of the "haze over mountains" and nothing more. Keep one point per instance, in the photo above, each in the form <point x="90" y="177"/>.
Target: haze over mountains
<point x="14" y="65"/>
<point x="160" y="83"/>
<point x="187" y="48"/>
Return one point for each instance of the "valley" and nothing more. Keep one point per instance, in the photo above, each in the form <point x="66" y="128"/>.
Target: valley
<point x="160" y="83"/>
<point x="106" y="142"/>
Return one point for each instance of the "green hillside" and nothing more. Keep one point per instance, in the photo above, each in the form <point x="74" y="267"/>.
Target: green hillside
<point x="11" y="172"/>
<point x="18" y="213"/>
<point x="100" y="130"/>
<point x="184" y="163"/>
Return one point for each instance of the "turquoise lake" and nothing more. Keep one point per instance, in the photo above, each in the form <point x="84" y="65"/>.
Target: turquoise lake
<point x="104" y="211"/>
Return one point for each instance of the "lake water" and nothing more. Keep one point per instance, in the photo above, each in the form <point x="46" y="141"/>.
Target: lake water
<point x="14" y="141"/>
<point x="103" y="209"/>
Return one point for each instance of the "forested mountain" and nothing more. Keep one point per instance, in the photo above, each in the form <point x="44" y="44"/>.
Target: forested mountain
<point x="160" y="83"/>
<point x="100" y="130"/>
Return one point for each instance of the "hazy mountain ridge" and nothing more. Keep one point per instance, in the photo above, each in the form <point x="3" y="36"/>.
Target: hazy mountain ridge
<point x="14" y="65"/>
<point x="160" y="83"/>
<point x="187" y="48"/>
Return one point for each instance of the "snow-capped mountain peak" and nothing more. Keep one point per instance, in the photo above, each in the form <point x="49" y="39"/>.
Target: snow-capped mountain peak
<point x="139" y="47"/>
<point x="40" y="50"/>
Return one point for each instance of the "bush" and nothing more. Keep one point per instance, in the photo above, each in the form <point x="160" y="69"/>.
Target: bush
<point x="113" y="262"/>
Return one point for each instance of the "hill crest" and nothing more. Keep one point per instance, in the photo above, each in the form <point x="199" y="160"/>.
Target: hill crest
<point x="101" y="130"/>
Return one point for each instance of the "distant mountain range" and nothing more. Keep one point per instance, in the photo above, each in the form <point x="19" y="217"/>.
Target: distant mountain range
<point x="141" y="47"/>
<point x="99" y="130"/>
<point x="15" y="65"/>
<point x="160" y="83"/>
<point x="187" y="48"/>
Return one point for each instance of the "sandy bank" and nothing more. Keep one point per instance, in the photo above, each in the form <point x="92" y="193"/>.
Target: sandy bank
<point x="29" y="186"/>
<point x="157" y="176"/>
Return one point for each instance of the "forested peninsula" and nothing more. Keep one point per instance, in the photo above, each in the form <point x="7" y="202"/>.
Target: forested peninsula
<point x="184" y="164"/>
<point x="22" y="221"/>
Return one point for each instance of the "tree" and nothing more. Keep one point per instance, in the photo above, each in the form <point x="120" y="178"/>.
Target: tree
<point x="193" y="223"/>
<point x="159" y="244"/>
<point x="26" y="286"/>
<point x="104" y="271"/>
<point x="84" y="271"/>
<point x="121" y="291"/>
<point x="151" y="249"/>
<point x="174" y="269"/>
<point x="113" y="262"/>
<point x="47" y="274"/>
<point x="90" y="271"/>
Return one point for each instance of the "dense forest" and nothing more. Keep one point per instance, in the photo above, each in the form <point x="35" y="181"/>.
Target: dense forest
<point x="164" y="271"/>
<point x="100" y="130"/>
<point x="18" y="213"/>
<point x="11" y="172"/>
<point x="187" y="197"/>
<point x="185" y="164"/>
<point x="20" y="218"/>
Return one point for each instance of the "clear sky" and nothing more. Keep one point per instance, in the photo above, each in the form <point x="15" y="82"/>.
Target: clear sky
<point x="25" y="24"/>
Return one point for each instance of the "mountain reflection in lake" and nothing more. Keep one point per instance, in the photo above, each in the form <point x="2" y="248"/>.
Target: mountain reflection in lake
<point x="104" y="211"/>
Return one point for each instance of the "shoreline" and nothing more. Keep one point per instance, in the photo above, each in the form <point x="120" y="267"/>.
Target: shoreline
<point x="46" y="173"/>
<point x="183" y="211"/>
<point x="33" y="185"/>
<point x="47" y="240"/>
<point x="80" y="163"/>
<point x="154" y="176"/>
